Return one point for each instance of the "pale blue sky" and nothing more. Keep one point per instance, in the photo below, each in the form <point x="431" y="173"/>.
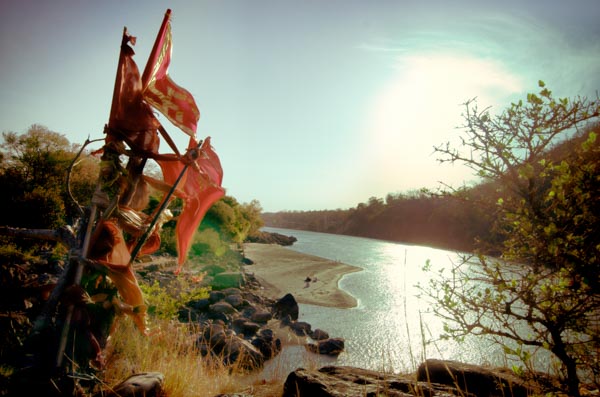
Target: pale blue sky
<point x="310" y="104"/>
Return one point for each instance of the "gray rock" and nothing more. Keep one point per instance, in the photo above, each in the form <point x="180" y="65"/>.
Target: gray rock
<point x="249" y="329"/>
<point x="268" y="347"/>
<point x="234" y="300"/>
<point x="215" y="296"/>
<point x="231" y="291"/>
<point x="262" y="316"/>
<point x="221" y="342"/>
<point x="472" y="379"/>
<point x="286" y="306"/>
<point x="240" y="352"/>
<point x="222" y="307"/>
<point x="331" y="347"/>
<point x="148" y="384"/>
<point x="301" y="328"/>
<point x="355" y="382"/>
<point x="319" y="334"/>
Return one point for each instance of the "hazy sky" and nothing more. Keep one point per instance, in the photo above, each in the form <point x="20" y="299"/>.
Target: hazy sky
<point x="310" y="104"/>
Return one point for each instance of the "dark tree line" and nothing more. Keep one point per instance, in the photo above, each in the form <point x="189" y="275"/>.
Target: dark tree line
<point x="417" y="217"/>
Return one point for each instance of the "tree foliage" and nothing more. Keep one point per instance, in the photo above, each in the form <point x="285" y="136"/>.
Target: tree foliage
<point x="416" y="217"/>
<point x="33" y="172"/>
<point x="542" y="291"/>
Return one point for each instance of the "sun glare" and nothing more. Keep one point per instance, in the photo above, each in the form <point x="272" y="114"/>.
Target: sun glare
<point x="422" y="104"/>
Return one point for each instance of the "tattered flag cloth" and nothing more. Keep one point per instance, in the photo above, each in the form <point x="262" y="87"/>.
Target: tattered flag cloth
<point x="175" y="102"/>
<point x="133" y="122"/>
<point x="201" y="188"/>
<point x="130" y="116"/>
<point x="108" y="247"/>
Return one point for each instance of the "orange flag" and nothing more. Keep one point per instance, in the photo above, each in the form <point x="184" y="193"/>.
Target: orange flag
<point x="130" y="116"/>
<point x="201" y="188"/>
<point x="108" y="248"/>
<point x="176" y="103"/>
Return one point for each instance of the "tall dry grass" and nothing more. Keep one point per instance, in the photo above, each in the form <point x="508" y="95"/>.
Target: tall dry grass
<point x="169" y="349"/>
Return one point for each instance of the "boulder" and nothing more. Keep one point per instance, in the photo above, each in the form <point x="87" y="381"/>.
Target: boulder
<point x="331" y="347"/>
<point x="230" y="348"/>
<point x="286" y="306"/>
<point x="261" y="317"/>
<point x="268" y="347"/>
<point x="240" y="352"/>
<point x="334" y="381"/>
<point x="222" y="307"/>
<point x="231" y="291"/>
<point x="234" y="300"/>
<point x="319" y="334"/>
<point x="215" y="296"/>
<point x="148" y="384"/>
<point x="300" y="328"/>
<point x="249" y="328"/>
<point x="472" y="379"/>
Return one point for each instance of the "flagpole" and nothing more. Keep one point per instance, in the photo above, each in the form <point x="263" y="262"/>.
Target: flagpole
<point x="193" y="153"/>
<point x="89" y="226"/>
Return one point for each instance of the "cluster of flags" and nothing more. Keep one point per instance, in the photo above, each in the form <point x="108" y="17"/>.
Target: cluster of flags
<point x="195" y="177"/>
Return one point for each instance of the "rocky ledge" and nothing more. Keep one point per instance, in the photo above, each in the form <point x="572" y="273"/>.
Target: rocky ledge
<point x="433" y="378"/>
<point x="239" y="326"/>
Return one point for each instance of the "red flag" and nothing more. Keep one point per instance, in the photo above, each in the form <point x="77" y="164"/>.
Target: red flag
<point x="130" y="117"/>
<point x="176" y="103"/>
<point x="201" y="188"/>
<point x="108" y="248"/>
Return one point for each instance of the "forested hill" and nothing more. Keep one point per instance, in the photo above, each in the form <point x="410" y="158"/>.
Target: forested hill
<point x="417" y="218"/>
<point x="445" y="221"/>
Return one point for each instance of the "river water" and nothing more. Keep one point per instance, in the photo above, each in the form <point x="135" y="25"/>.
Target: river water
<point x="392" y="329"/>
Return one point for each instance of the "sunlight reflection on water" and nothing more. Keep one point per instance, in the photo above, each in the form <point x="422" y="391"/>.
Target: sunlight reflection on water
<point x="391" y="329"/>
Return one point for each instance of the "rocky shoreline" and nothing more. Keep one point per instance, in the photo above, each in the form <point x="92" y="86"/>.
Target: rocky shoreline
<point x="244" y="328"/>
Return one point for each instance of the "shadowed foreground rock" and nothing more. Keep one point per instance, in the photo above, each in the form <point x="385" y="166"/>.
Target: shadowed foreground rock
<point x="148" y="384"/>
<point x="472" y="379"/>
<point x="356" y="382"/>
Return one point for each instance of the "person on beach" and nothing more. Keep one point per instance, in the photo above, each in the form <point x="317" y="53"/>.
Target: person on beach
<point x="307" y="282"/>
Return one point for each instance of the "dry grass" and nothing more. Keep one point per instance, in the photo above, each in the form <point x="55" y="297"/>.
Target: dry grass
<point x="170" y="350"/>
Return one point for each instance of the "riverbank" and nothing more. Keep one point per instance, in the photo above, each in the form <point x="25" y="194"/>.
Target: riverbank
<point x="281" y="271"/>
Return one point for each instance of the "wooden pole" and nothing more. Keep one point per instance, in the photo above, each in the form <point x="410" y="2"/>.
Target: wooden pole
<point x="163" y="205"/>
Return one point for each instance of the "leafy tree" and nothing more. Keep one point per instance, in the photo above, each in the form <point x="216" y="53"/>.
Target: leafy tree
<point x="33" y="171"/>
<point x="226" y="221"/>
<point x="233" y="220"/>
<point x="542" y="291"/>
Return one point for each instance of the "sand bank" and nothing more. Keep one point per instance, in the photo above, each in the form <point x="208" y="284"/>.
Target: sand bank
<point x="281" y="270"/>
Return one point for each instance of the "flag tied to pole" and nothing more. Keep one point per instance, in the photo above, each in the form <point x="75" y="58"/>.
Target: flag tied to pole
<point x="173" y="101"/>
<point x="201" y="188"/>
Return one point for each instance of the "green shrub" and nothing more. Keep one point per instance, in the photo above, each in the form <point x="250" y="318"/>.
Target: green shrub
<point x="165" y="303"/>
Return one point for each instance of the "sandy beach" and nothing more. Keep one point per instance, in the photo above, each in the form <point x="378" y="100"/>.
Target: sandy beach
<point x="281" y="270"/>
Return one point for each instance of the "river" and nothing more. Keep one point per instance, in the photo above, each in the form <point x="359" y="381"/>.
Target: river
<point x="392" y="329"/>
